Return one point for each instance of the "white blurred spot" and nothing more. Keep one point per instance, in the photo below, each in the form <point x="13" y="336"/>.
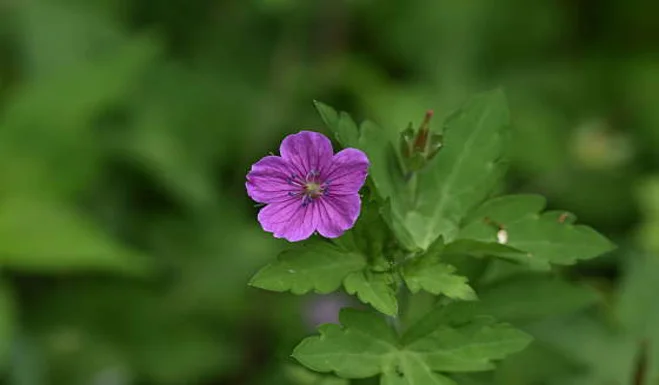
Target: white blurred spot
<point x="502" y="236"/>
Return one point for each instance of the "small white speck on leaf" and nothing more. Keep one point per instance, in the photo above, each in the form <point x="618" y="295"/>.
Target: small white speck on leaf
<point x="291" y="271"/>
<point x="502" y="236"/>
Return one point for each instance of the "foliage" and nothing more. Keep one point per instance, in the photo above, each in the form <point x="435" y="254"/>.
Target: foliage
<point x="430" y="209"/>
<point x="126" y="239"/>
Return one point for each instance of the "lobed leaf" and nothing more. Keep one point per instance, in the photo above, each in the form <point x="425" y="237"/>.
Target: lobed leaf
<point x="464" y="172"/>
<point x="550" y="237"/>
<point x="427" y="272"/>
<point x="364" y="346"/>
<point x="375" y="289"/>
<point x="315" y="265"/>
<point x="432" y="203"/>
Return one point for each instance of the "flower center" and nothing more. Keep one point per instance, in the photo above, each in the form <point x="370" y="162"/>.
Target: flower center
<point x="310" y="187"/>
<point x="313" y="189"/>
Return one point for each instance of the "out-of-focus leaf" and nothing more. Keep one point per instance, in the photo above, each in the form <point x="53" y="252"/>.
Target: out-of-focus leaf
<point x="531" y="297"/>
<point x="603" y="353"/>
<point x="127" y="329"/>
<point x="57" y="37"/>
<point x="537" y="364"/>
<point x="8" y="324"/>
<point x="42" y="235"/>
<point x="639" y="310"/>
<point x="648" y="196"/>
<point x="47" y="141"/>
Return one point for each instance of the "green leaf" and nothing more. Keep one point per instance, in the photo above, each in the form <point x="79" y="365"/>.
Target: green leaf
<point x="373" y="288"/>
<point x="40" y="235"/>
<point x="302" y="376"/>
<point x="427" y="272"/>
<point x="413" y="370"/>
<point x="437" y="278"/>
<point x="603" y="354"/>
<point x="385" y="170"/>
<point x="532" y="297"/>
<point x="464" y="172"/>
<point x="341" y="124"/>
<point x="364" y="346"/>
<point x="469" y="347"/>
<point x="480" y="249"/>
<point x="549" y="237"/>
<point x="432" y="203"/>
<point x="314" y="265"/>
<point x="369" y="236"/>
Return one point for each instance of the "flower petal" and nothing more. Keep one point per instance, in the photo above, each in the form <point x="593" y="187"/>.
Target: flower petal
<point x="347" y="172"/>
<point x="267" y="182"/>
<point x="337" y="214"/>
<point x="289" y="219"/>
<point x="307" y="151"/>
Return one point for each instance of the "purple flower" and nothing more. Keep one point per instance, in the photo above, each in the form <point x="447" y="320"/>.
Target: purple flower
<point x="308" y="188"/>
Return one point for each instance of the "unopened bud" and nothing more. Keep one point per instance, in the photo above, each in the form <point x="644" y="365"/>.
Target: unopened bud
<point x="406" y="141"/>
<point x="421" y="142"/>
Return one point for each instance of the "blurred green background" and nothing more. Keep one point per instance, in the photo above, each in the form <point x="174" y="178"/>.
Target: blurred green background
<point x="127" y="127"/>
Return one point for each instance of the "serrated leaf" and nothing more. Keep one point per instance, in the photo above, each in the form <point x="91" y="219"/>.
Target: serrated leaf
<point x="315" y="265"/>
<point x="427" y="272"/>
<point x="470" y="347"/>
<point x="545" y="237"/>
<point x="364" y="346"/>
<point x="464" y="172"/>
<point x="365" y="338"/>
<point x="438" y="278"/>
<point x="433" y="202"/>
<point x="375" y="289"/>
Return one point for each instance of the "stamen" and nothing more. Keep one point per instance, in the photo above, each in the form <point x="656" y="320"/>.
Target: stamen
<point x="312" y="176"/>
<point x="293" y="180"/>
<point x="306" y="200"/>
